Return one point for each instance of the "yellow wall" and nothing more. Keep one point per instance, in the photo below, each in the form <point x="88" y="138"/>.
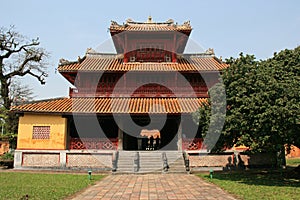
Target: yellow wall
<point x="58" y="132"/>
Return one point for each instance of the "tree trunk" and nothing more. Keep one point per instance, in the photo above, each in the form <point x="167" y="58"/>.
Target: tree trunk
<point x="5" y="93"/>
<point x="281" y="162"/>
<point x="10" y="124"/>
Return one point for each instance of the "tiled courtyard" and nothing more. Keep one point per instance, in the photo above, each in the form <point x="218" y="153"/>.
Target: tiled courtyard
<point x="153" y="186"/>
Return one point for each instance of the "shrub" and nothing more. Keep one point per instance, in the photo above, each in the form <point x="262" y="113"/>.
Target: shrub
<point x="7" y="156"/>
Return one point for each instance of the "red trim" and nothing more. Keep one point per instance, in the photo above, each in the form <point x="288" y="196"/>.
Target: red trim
<point x="38" y="149"/>
<point x="94" y="143"/>
<point x="192" y="144"/>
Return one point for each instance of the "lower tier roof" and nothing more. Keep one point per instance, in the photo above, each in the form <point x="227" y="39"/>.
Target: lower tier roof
<point x="113" y="105"/>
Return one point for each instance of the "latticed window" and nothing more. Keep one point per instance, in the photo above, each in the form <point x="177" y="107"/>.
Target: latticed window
<point x="41" y="132"/>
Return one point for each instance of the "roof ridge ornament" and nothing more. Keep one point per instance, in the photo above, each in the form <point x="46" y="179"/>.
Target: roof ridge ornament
<point x="170" y="21"/>
<point x="63" y="61"/>
<point x="210" y="51"/>
<point x="129" y="20"/>
<point x="130" y="24"/>
<point x="90" y="51"/>
<point x="149" y="21"/>
<point x="119" y="56"/>
<point x="187" y="23"/>
<point x="113" y="23"/>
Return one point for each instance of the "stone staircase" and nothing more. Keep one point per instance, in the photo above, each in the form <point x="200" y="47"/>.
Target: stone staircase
<point x="149" y="162"/>
<point x="176" y="162"/>
<point x="125" y="162"/>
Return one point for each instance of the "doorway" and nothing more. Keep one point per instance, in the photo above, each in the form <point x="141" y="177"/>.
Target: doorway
<point x="153" y="139"/>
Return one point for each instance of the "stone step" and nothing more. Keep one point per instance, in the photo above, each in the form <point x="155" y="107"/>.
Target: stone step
<point x="126" y="161"/>
<point x="151" y="165"/>
<point x="125" y="168"/>
<point x="176" y="162"/>
<point x="150" y="162"/>
<point x="125" y="165"/>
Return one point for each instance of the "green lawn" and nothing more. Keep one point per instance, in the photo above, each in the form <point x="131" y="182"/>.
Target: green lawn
<point x="15" y="185"/>
<point x="293" y="161"/>
<point x="255" y="185"/>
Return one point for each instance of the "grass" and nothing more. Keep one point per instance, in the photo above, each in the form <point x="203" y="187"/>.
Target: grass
<point x="293" y="161"/>
<point x="15" y="185"/>
<point x="254" y="185"/>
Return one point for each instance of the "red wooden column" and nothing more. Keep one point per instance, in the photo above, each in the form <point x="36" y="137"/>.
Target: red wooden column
<point x="125" y="50"/>
<point x="120" y="139"/>
<point x="174" y="59"/>
<point x="125" y="84"/>
<point x="176" y="82"/>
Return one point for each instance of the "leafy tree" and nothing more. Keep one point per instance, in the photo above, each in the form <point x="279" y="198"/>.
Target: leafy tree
<point x="284" y="71"/>
<point x="210" y="118"/>
<point x="19" y="57"/>
<point x="262" y="102"/>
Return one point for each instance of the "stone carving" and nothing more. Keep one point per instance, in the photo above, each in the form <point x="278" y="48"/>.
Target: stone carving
<point x="90" y="51"/>
<point x="187" y="23"/>
<point x="129" y="21"/>
<point x="170" y="21"/>
<point x="120" y="56"/>
<point x="210" y="51"/>
<point x="114" y="23"/>
<point x="179" y="56"/>
<point x="63" y="61"/>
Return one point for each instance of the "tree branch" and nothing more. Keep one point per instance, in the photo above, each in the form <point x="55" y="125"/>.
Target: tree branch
<point x="39" y="77"/>
<point x="10" y="51"/>
<point x="35" y="58"/>
<point x="10" y="42"/>
<point x="18" y="57"/>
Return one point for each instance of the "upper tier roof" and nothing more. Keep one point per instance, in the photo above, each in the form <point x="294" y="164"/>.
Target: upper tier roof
<point x="150" y="25"/>
<point x="111" y="62"/>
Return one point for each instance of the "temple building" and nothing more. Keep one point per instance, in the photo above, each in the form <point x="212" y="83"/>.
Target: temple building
<point x="140" y="98"/>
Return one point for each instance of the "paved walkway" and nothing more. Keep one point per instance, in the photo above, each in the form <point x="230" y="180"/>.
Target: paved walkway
<point x="153" y="186"/>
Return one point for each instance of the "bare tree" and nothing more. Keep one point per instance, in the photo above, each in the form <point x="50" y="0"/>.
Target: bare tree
<point x="20" y="93"/>
<point x="19" y="56"/>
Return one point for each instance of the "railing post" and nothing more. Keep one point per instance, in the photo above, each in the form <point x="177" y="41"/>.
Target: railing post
<point x="136" y="162"/>
<point x="186" y="161"/>
<point x="165" y="162"/>
<point x="115" y="161"/>
<point x="179" y="137"/>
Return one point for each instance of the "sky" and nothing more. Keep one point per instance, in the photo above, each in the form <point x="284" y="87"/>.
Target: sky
<point x="67" y="28"/>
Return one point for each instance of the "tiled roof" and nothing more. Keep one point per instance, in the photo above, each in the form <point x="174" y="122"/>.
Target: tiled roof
<point x="113" y="63"/>
<point x="149" y="26"/>
<point x="113" y="105"/>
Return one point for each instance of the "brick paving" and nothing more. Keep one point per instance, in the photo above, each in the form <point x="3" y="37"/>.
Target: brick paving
<point x="153" y="186"/>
